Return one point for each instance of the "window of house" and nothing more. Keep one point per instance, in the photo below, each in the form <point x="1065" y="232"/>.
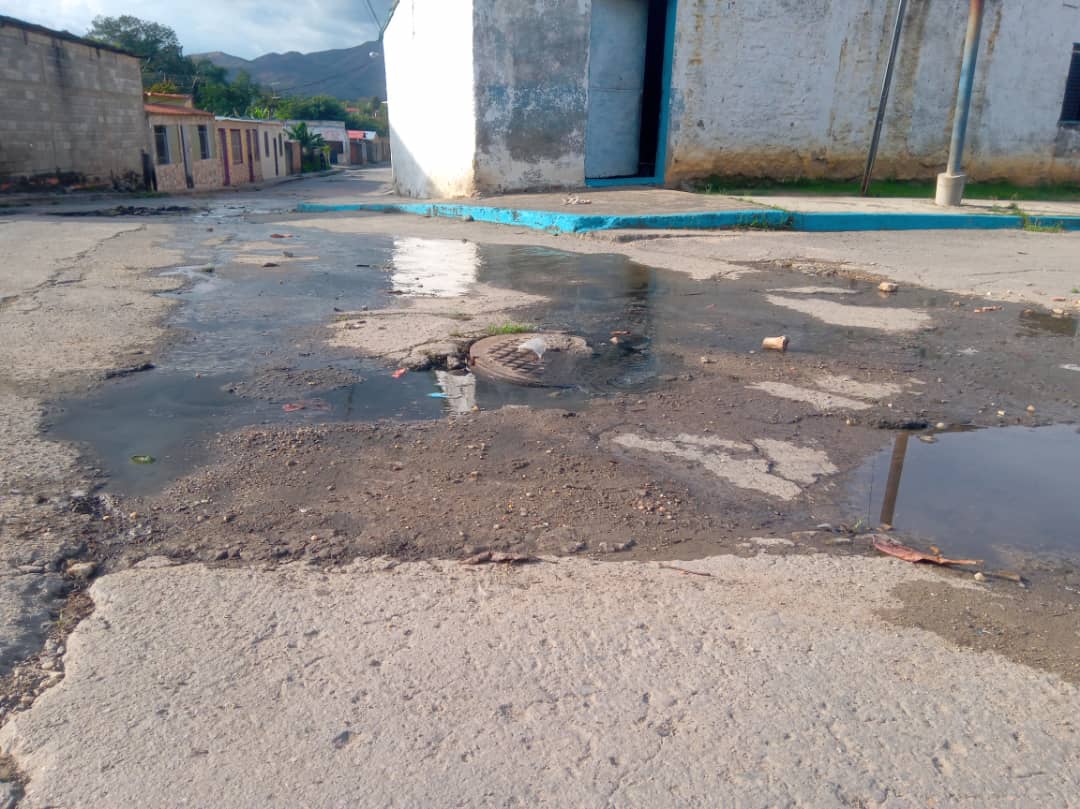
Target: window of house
<point x="204" y="143"/>
<point x="255" y="138"/>
<point x="266" y="143"/>
<point x="161" y="144"/>
<point x="237" y="146"/>
<point x="1070" y="109"/>
<point x="280" y="146"/>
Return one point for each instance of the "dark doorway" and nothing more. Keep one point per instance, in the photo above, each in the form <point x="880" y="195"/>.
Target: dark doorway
<point x="653" y="93"/>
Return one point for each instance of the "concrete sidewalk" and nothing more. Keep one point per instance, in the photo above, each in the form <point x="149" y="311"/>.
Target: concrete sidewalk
<point x="622" y="208"/>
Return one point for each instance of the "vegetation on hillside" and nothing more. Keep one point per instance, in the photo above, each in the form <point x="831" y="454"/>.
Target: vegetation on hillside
<point x="165" y="69"/>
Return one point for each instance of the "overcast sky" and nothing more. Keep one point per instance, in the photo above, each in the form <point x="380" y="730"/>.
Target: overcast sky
<point x="246" y="28"/>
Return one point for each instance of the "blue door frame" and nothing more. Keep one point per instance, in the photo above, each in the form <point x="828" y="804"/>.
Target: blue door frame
<point x="665" y="112"/>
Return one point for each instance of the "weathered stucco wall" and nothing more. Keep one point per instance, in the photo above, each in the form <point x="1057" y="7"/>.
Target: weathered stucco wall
<point x="1018" y="97"/>
<point x="531" y="93"/>
<point x="431" y="93"/>
<point x="789" y="89"/>
<point x="68" y="107"/>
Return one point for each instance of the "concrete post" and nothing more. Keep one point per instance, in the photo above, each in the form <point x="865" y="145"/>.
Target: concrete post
<point x="950" y="185"/>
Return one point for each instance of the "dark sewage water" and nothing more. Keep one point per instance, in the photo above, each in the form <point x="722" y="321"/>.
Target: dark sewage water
<point x="973" y="493"/>
<point x="980" y="493"/>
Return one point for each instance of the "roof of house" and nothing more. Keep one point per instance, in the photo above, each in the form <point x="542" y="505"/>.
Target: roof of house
<point x="65" y="35"/>
<point x="172" y="109"/>
<point x="362" y="134"/>
<point x="250" y="120"/>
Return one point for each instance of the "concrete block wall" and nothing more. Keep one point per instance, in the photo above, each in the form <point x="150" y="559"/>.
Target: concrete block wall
<point x="68" y="107"/>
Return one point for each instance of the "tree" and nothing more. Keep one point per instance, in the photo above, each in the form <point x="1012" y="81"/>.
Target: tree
<point x="311" y="145"/>
<point x="215" y="93"/>
<point x="165" y="87"/>
<point x="156" y="45"/>
<point x="313" y="108"/>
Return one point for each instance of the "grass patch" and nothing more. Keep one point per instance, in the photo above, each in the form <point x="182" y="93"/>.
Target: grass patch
<point x="1033" y="224"/>
<point x="760" y="222"/>
<point x="510" y="328"/>
<point x="747" y="186"/>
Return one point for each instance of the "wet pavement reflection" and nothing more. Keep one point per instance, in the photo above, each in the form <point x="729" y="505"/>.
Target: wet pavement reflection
<point x="979" y="492"/>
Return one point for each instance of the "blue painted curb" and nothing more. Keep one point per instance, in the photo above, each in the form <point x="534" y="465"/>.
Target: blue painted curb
<point x="707" y="220"/>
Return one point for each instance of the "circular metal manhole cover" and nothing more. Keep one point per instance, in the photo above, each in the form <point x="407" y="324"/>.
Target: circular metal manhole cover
<point x="536" y="360"/>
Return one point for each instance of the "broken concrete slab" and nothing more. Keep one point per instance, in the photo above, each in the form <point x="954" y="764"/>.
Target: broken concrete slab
<point x="826" y="402"/>
<point x="846" y="386"/>
<point x="777" y="471"/>
<point x="300" y="687"/>
<point x="880" y="318"/>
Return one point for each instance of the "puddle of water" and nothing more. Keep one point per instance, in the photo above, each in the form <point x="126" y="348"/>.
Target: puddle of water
<point x="985" y="494"/>
<point x="1034" y="323"/>
<point x="442" y="268"/>
<point x="243" y="318"/>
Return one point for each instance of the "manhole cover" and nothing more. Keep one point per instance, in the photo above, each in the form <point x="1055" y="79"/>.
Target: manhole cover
<point x="537" y="360"/>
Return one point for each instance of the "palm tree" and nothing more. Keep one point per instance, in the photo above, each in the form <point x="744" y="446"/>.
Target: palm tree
<point x="310" y="142"/>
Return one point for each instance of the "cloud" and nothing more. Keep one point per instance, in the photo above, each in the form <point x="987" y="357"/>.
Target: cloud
<point x="246" y="28"/>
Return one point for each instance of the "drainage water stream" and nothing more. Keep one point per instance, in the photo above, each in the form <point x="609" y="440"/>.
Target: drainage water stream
<point x="252" y="340"/>
<point x="245" y="320"/>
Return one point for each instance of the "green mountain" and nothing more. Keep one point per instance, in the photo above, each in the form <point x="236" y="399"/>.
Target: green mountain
<point x="345" y="73"/>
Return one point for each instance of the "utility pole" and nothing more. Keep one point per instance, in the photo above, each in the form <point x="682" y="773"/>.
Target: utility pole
<point x="886" y="85"/>
<point x="950" y="185"/>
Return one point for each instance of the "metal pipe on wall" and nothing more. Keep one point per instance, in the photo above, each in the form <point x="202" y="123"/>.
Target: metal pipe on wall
<point x="950" y="188"/>
<point x="886" y="85"/>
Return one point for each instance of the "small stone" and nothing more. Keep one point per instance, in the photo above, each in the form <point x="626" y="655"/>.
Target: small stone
<point x="1001" y="413"/>
<point x="707" y="360"/>
<point x="48" y="664"/>
<point x="941" y="426"/>
<point x="1031" y="408"/>
<point x="81" y="570"/>
<point x="980" y="577"/>
<point x="888" y="287"/>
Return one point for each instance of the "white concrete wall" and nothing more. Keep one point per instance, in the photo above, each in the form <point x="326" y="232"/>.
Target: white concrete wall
<point x="492" y="95"/>
<point x="1019" y="92"/>
<point x="432" y="99"/>
<point x="532" y="91"/>
<point x="786" y="89"/>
